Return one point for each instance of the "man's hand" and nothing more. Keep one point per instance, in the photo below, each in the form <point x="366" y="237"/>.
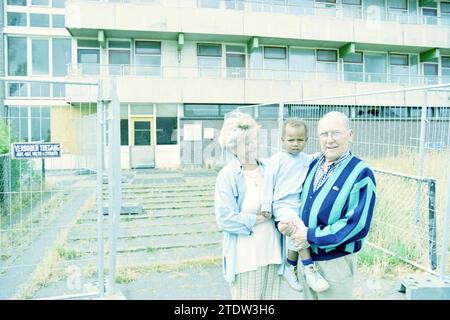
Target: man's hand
<point x="296" y="230"/>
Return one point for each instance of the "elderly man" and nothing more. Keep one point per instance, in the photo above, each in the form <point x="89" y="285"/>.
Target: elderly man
<point x="337" y="203"/>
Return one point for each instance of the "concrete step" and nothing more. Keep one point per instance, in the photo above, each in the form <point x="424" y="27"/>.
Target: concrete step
<point x="157" y="214"/>
<point x="151" y="243"/>
<point x="144" y="230"/>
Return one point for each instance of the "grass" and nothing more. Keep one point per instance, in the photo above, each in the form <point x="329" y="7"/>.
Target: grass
<point x="48" y="271"/>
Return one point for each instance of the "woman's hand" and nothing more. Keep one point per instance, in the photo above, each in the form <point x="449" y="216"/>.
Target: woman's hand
<point x="263" y="217"/>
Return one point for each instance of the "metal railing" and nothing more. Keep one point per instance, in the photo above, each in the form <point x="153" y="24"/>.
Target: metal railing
<point x="307" y="8"/>
<point x="95" y="70"/>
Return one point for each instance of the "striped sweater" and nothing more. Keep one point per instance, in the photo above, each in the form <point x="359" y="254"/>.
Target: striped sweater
<point x="338" y="213"/>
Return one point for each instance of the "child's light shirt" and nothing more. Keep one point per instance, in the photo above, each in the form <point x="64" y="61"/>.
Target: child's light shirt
<point x="283" y="182"/>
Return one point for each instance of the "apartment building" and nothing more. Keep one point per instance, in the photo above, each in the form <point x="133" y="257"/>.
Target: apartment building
<point x="180" y="65"/>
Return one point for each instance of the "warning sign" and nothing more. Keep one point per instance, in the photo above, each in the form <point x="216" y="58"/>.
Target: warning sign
<point x="35" y="150"/>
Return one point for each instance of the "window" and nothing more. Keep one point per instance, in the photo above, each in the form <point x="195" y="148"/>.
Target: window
<point x="118" y="55"/>
<point x="166" y="130"/>
<point x="327" y="55"/>
<point x="148" y="58"/>
<point x="17" y="2"/>
<point x="375" y="67"/>
<point x="235" y="4"/>
<point x="40" y="57"/>
<point x="445" y="69"/>
<point x="352" y="8"/>
<point x="430" y="72"/>
<point x="235" y="61"/>
<point x="39" y="2"/>
<point x="275" y="61"/>
<point x="353" y="67"/>
<point x="39" y="20"/>
<point x="209" y="59"/>
<point x="398" y="4"/>
<point x="274" y="53"/>
<point x="302" y="63"/>
<point x="327" y="64"/>
<point x="62" y="56"/>
<point x="124" y="132"/>
<point x="429" y="15"/>
<point x="201" y="110"/>
<point x="17" y="89"/>
<point x="30" y="124"/>
<point x="88" y="56"/>
<point x="58" y="21"/>
<point x="398" y="59"/>
<point x="58" y="3"/>
<point x="399" y="64"/>
<point x="17" y="56"/>
<point x="445" y="13"/>
<point x="209" y="3"/>
<point x="40" y="90"/>
<point x="16" y="19"/>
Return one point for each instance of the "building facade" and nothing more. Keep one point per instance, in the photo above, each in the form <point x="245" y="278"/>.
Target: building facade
<point x="181" y="65"/>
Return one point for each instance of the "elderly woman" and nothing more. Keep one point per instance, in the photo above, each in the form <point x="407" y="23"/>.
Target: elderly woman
<point x="252" y="246"/>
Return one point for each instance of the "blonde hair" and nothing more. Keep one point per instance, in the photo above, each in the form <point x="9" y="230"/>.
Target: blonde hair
<point x="237" y="125"/>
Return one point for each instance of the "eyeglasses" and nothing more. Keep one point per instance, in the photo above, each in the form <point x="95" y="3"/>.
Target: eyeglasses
<point x="332" y="134"/>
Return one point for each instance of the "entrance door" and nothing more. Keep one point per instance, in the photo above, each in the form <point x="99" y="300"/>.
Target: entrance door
<point x="142" y="144"/>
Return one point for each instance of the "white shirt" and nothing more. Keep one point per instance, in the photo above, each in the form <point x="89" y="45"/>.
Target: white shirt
<point x="263" y="246"/>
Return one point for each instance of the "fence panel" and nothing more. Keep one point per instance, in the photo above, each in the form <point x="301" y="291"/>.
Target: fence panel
<point x="43" y="200"/>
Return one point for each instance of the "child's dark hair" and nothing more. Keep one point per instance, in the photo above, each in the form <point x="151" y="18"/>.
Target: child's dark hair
<point x="295" y="123"/>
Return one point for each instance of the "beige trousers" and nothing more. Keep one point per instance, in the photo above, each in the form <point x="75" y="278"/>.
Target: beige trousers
<point x="340" y="274"/>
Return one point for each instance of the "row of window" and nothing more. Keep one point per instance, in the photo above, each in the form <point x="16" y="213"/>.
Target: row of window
<point x="29" y="124"/>
<point x="39" y="20"/>
<point x="38" y="3"/>
<point x="218" y="111"/>
<point x="49" y="56"/>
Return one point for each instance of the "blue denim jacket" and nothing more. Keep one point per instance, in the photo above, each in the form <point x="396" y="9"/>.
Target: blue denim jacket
<point x="229" y="194"/>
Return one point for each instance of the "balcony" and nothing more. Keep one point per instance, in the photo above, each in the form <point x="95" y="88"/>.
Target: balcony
<point x="302" y="8"/>
<point x="320" y="27"/>
<point x="165" y="84"/>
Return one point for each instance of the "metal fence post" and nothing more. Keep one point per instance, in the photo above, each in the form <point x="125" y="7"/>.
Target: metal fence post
<point x="115" y="201"/>
<point x="100" y="146"/>
<point x="423" y="124"/>
<point x="432" y="223"/>
<point x="280" y="123"/>
<point x="446" y="227"/>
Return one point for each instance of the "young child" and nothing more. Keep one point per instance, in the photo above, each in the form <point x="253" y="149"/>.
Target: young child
<point x="283" y="182"/>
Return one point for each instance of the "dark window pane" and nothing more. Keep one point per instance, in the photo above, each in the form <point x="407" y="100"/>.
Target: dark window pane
<point x="123" y="132"/>
<point x="209" y="50"/>
<point x="201" y="110"/>
<point x="16" y="19"/>
<point x="274" y="53"/>
<point x="356" y="57"/>
<point x="327" y="55"/>
<point x="399" y="59"/>
<point x="148" y="47"/>
<point x="445" y="62"/>
<point x="17" y="56"/>
<point x="166" y="130"/>
<point x="17" y="2"/>
<point x="142" y="125"/>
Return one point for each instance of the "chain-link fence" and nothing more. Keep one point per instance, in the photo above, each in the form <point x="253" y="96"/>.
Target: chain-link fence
<point x="48" y="181"/>
<point x="404" y="133"/>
